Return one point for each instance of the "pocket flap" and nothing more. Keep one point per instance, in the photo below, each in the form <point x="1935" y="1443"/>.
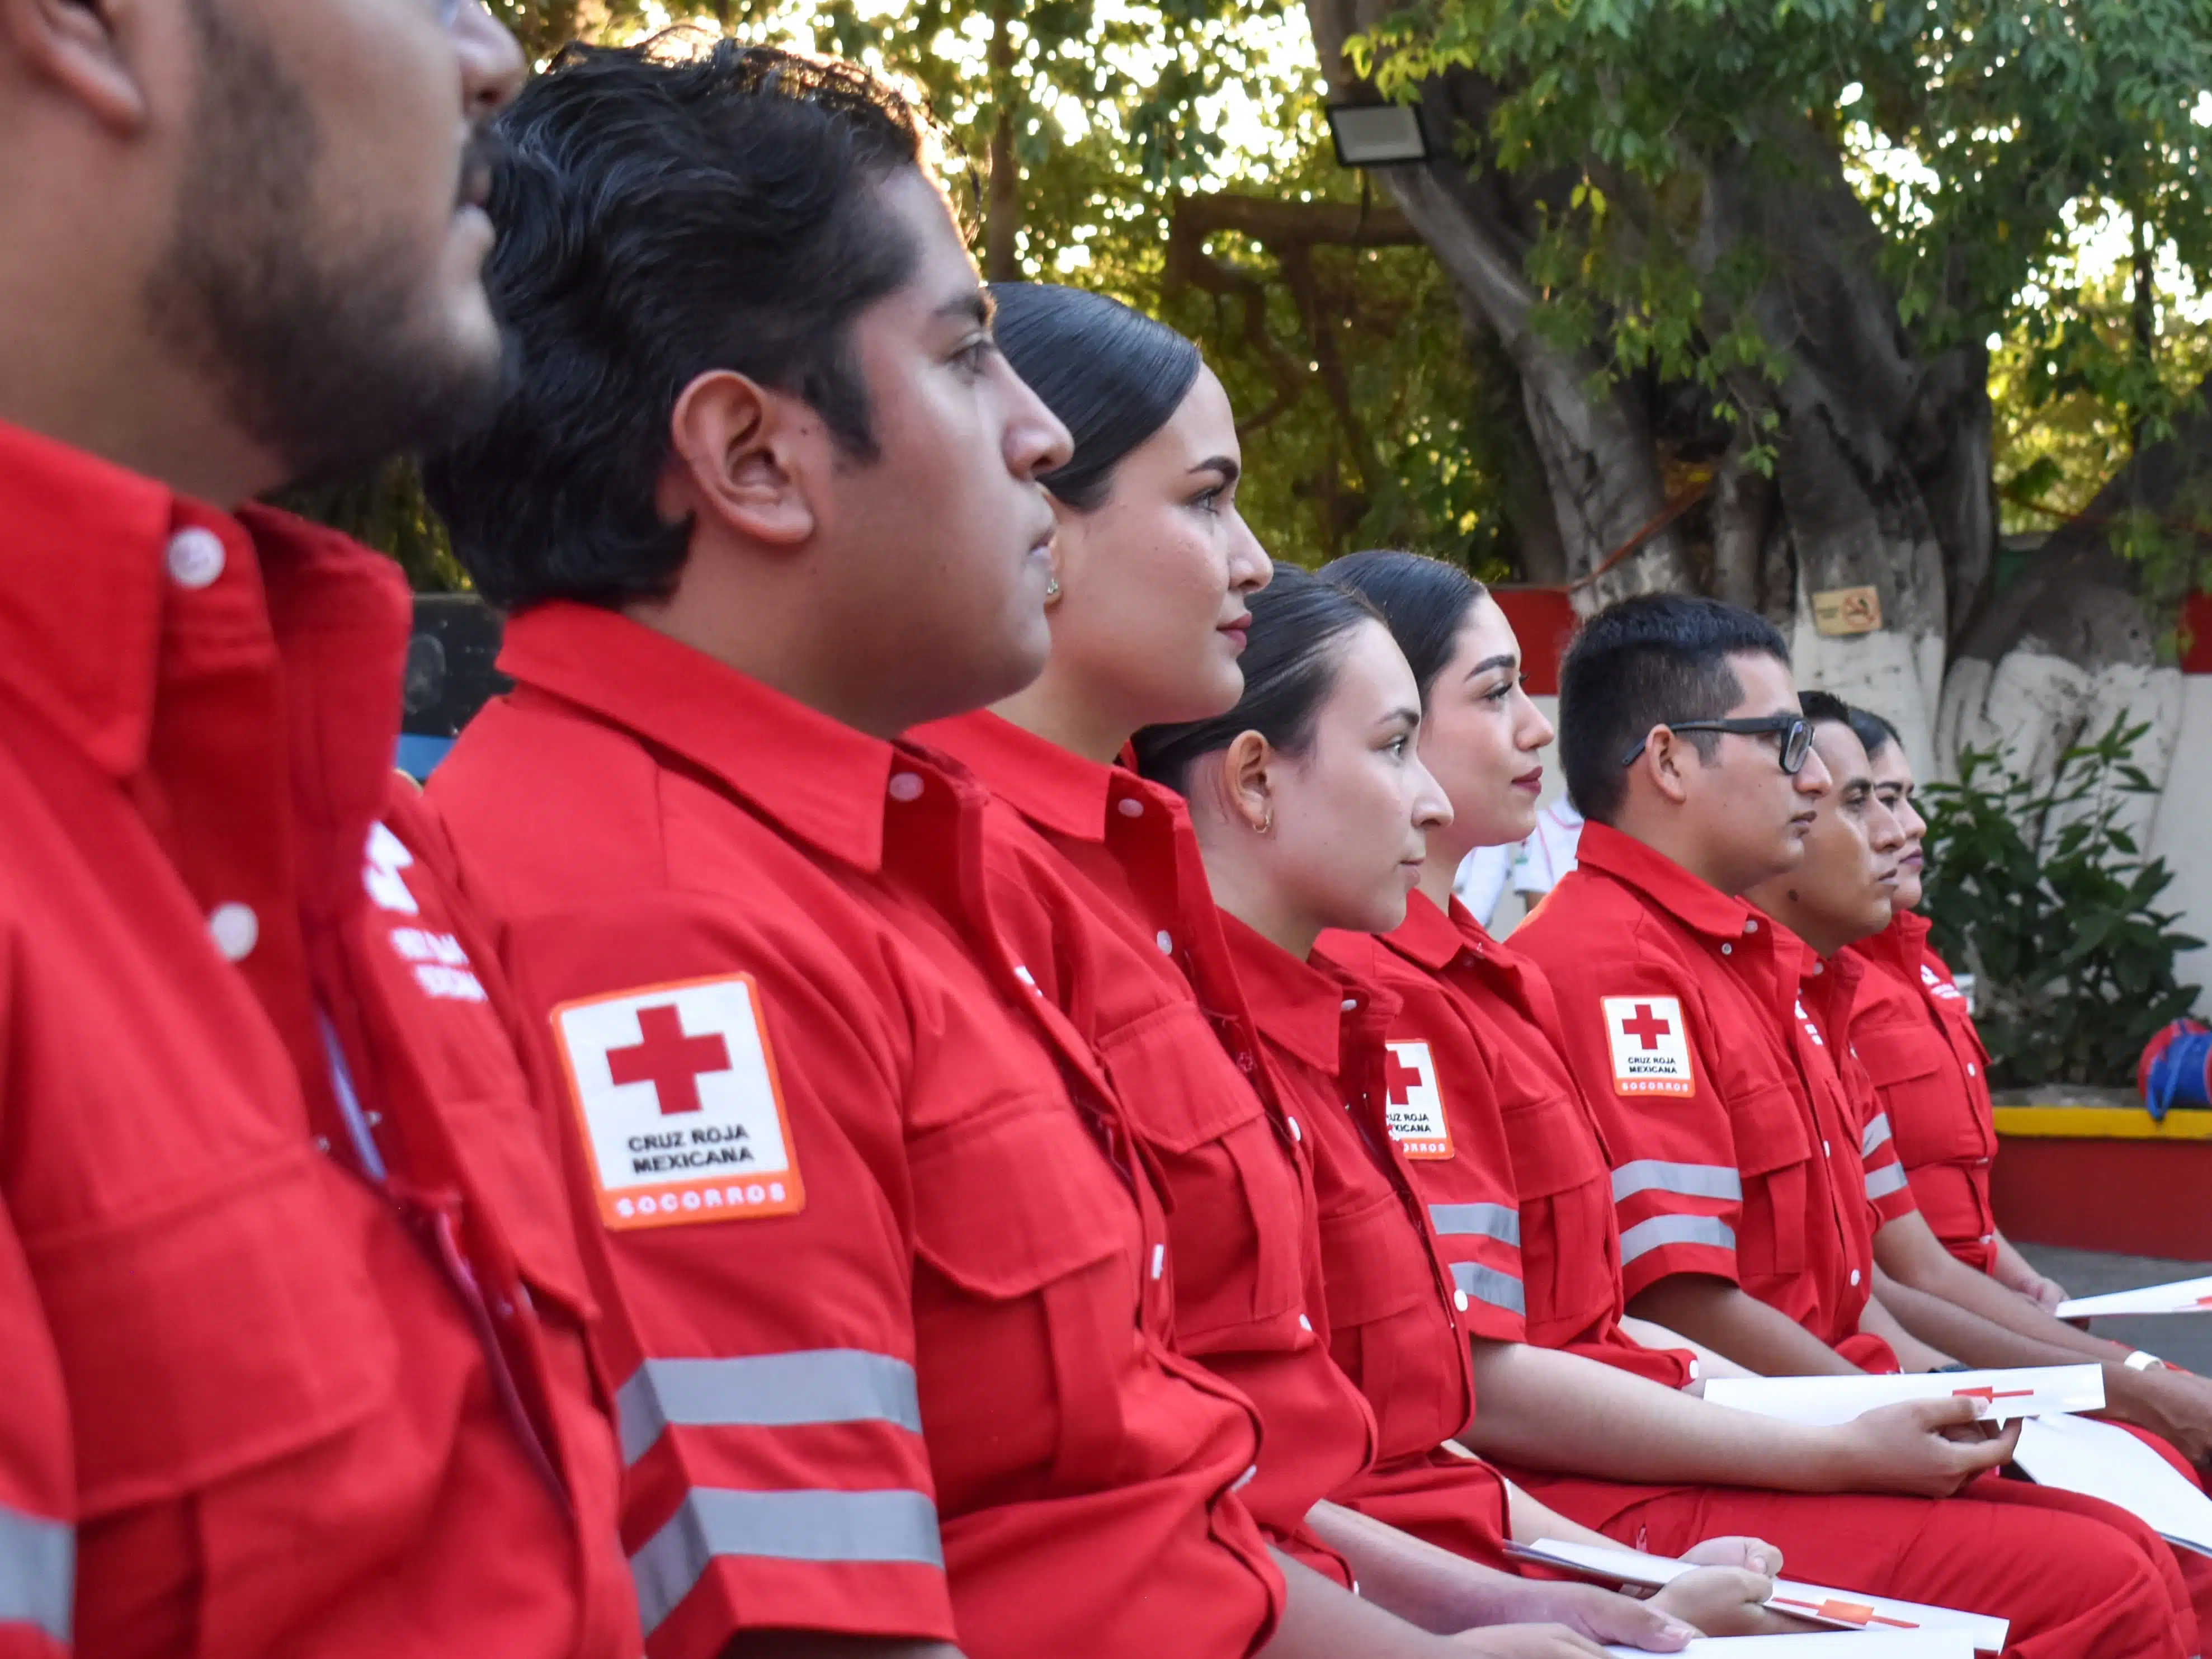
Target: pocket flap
<point x="218" y="1334"/>
<point x="512" y="1165"/>
<point x="1769" y="1132"/>
<point x="1554" y="1148"/>
<point x="1176" y="1080"/>
<point x="1374" y="1262"/>
<point x="1020" y="1195"/>
<point x="1894" y="1057"/>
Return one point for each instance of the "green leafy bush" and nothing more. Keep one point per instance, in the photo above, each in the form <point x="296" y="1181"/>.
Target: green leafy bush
<point x="2041" y="893"/>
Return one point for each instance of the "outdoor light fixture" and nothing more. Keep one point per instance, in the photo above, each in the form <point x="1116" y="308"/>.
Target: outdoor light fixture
<point x="1376" y="135"/>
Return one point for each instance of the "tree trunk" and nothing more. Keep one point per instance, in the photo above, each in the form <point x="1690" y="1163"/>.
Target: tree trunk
<point x="1002" y="201"/>
<point x="2072" y="645"/>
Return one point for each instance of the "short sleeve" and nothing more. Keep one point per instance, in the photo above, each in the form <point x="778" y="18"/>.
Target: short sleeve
<point x="735" y="1087"/>
<point x="1888" y="1186"/>
<point x="1639" y="1044"/>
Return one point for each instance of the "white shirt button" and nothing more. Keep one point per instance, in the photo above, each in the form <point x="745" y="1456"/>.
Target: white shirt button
<point x="1459" y="1300"/>
<point x="906" y="786"/>
<point x="1165" y="941"/>
<point x="1820" y="967"/>
<point x="1827" y="1151"/>
<point x="1350" y="1005"/>
<point x="1751" y="926"/>
<point x="1159" y="1259"/>
<point x="236" y="930"/>
<point x="1971" y="1071"/>
<point x="196" y="557"/>
<point x="1304" y="1324"/>
<point x="1296" y="1133"/>
<point x="1728" y="949"/>
<point x="1855" y="1275"/>
<point x="1130" y="807"/>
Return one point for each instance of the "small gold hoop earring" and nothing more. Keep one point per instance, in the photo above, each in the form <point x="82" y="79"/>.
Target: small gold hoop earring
<point x="1051" y="589"/>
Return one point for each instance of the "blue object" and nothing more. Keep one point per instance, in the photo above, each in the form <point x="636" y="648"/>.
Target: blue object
<point x="2178" y="1069"/>
<point x="419" y="756"/>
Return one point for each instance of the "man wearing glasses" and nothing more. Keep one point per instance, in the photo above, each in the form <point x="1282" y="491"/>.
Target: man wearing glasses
<point x="1724" y="1115"/>
<point x="291" y="1311"/>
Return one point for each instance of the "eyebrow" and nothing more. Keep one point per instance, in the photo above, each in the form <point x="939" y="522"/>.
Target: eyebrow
<point x="1229" y="469"/>
<point x="974" y="306"/>
<point x="1504" y="659"/>
<point x="1407" y="717"/>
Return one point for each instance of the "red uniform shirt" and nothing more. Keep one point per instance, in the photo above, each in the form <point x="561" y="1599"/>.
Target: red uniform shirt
<point x="1505" y="1067"/>
<point x="293" y="1224"/>
<point x="1930" y="1075"/>
<point x="1394" y="1312"/>
<point x="1734" y="1139"/>
<point x="857" y="1176"/>
<point x="1096" y="876"/>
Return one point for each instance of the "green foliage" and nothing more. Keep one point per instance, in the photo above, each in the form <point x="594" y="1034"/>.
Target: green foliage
<point x="2040" y="892"/>
<point x="1985" y="137"/>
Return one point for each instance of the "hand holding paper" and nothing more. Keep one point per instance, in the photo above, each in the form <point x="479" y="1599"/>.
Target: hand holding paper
<point x="2037" y="1391"/>
<point x="1846" y="1610"/>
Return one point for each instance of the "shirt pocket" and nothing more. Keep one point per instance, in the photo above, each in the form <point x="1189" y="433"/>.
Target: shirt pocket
<point x="230" y="1329"/>
<point x="516" y="1174"/>
<point x="1387" y="1328"/>
<point x="1026" y="1305"/>
<point x="1570" y="1257"/>
<point x="1239" y="1213"/>
<point x="1774" y="1156"/>
<point x="1917" y="1081"/>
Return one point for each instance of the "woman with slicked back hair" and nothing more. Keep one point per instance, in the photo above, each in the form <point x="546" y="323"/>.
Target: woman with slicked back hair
<point x="1102" y="882"/>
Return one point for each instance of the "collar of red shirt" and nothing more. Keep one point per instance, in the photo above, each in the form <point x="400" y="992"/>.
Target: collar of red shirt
<point x="796" y="765"/>
<point x="1047" y="785"/>
<point x="1900" y="948"/>
<point x="1295" y="1004"/>
<point x="1428" y="936"/>
<point x="1691" y="900"/>
<point x="81" y="628"/>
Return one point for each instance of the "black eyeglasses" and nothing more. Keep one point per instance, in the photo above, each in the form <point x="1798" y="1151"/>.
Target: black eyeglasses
<point x="1795" y="731"/>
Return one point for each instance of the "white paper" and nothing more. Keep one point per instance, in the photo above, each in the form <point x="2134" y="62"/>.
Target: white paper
<point x="1982" y="1632"/>
<point x="2102" y="1460"/>
<point x="2183" y="1296"/>
<point x="1869" y="1645"/>
<point x="2037" y="1391"/>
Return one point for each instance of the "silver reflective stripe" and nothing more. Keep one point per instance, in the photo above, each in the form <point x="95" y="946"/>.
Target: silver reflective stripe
<point x="37" y="1573"/>
<point x="1499" y="1221"/>
<point x="1877" y="1131"/>
<point x="870" y="1527"/>
<point x="1690" y="1179"/>
<point x="768" y="1390"/>
<point x="1881" y="1184"/>
<point x="1488" y="1284"/>
<point x="1646" y="1236"/>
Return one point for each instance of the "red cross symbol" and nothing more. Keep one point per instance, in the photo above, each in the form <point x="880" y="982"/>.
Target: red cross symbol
<point x="1399" y="1079"/>
<point x="1647" y="1026"/>
<point x="671" y="1061"/>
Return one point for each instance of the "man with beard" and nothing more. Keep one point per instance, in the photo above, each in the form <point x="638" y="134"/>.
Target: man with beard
<point x="291" y="1311"/>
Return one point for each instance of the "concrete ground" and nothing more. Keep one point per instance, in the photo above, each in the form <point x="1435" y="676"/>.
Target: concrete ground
<point x="2185" y="1338"/>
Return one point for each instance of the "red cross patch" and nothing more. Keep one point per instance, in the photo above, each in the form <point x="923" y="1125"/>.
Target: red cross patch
<point x="1651" y="1049"/>
<point x="1414" y="1106"/>
<point x="676" y="1092"/>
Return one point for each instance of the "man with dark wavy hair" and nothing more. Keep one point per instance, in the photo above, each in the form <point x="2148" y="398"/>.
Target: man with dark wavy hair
<point x="290" y="1314"/>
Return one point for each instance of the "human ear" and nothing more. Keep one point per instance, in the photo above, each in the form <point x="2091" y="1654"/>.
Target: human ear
<point x="1245" y="780"/>
<point x="734" y="457"/>
<point x="1666" y="761"/>
<point x="82" y="49"/>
